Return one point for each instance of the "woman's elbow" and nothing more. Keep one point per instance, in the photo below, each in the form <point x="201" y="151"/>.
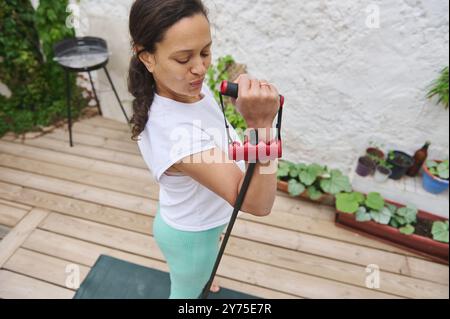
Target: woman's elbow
<point x="257" y="211"/>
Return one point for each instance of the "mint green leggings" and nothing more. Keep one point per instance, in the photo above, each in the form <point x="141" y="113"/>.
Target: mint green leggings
<point x="189" y="255"/>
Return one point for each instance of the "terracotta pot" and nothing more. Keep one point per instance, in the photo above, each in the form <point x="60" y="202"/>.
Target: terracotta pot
<point x="326" y="199"/>
<point x="375" y="152"/>
<point x="421" y="245"/>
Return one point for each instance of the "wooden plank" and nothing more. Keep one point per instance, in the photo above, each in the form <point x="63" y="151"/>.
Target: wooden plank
<point x="87" y="151"/>
<point x="139" y="204"/>
<point x="84" y="253"/>
<point x="107" y="123"/>
<point x="76" y="190"/>
<point x="293" y="282"/>
<point x="393" y="263"/>
<point x="15" y="286"/>
<point x="122" y="185"/>
<point x="334" y="270"/>
<point x="99" y="141"/>
<point x="135" y="222"/>
<point x="121" y="239"/>
<point x="4" y="230"/>
<point x="19" y="234"/>
<point x="75" y="161"/>
<point x="83" y="127"/>
<point x="46" y="268"/>
<point x="145" y="246"/>
<point x="398" y="265"/>
<point x="78" y="208"/>
<point x="322" y="228"/>
<point x="10" y="215"/>
<point x="288" y="259"/>
<point x="277" y="218"/>
<point x="15" y="205"/>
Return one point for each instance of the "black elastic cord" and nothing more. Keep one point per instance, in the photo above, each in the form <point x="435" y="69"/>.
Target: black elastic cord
<point x="238" y="205"/>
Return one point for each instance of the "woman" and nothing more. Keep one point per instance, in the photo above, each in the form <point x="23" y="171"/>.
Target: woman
<point x="173" y="112"/>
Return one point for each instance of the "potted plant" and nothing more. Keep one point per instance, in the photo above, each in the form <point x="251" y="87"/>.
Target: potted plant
<point x="397" y="224"/>
<point x="435" y="176"/>
<point x="312" y="182"/>
<point x="383" y="171"/>
<point x="366" y="166"/>
<point x="400" y="162"/>
<point x="375" y="151"/>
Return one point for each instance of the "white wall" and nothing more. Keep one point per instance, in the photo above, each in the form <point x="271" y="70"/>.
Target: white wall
<point x="345" y="82"/>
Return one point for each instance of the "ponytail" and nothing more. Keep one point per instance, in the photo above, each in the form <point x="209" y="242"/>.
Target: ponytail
<point x="141" y="85"/>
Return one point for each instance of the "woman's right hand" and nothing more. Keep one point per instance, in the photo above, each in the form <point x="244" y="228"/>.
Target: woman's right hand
<point x="257" y="103"/>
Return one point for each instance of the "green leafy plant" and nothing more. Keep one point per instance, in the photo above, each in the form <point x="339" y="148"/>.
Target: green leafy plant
<point x="374" y="201"/>
<point x="215" y="75"/>
<point x="27" y="67"/>
<point x="384" y="163"/>
<point x="314" y="178"/>
<point x="391" y="155"/>
<point x="374" y="208"/>
<point x="349" y="202"/>
<point x="382" y="216"/>
<point x="440" y="231"/>
<point x="403" y="218"/>
<point x="439" y="88"/>
<point x="438" y="169"/>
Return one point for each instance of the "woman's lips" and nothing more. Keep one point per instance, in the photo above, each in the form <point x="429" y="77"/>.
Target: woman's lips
<point x="197" y="83"/>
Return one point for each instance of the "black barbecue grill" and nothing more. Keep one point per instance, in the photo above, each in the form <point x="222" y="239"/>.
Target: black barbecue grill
<point x="84" y="54"/>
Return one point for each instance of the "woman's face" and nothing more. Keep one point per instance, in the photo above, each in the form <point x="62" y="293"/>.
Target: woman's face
<point x="183" y="57"/>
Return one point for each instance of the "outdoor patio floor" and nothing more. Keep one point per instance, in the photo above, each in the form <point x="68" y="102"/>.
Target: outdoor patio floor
<point x="61" y="206"/>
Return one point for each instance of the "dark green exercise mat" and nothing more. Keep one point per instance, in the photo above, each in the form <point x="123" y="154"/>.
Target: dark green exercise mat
<point x="112" y="278"/>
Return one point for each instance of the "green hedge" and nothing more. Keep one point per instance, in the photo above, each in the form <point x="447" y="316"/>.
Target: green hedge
<point x="27" y="68"/>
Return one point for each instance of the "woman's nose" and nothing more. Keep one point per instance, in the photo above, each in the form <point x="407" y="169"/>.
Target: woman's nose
<point x="199" y="68"/>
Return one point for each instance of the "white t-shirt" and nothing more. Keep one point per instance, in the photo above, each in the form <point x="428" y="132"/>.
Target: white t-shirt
<point x="174" y="131"/>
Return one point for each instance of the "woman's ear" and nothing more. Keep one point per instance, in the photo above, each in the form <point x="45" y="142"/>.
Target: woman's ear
<point x="148" y="60"/>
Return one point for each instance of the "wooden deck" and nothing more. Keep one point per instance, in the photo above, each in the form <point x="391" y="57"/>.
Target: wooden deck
<point x="61" y="206"/>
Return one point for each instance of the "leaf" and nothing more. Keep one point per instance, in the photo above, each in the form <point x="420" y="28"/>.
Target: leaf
<point x="314" y="193"/>
<point x="382" y="217"/>
<point x="409" y="214"/>
<point x="431" y="164"/>
<point x="294" y="171"/>
<point x="440" y="231"/>
<point x="362" y="215"/>
<point x="394" y="223"/>
<point x="295" y="188"/>
<point x="348" y="202"/>
<point x="392" y="208"/>
<point x="283" y="169"/>
<point x="336" y="184"/>
<point x="375" y="201"/>
<point x="407" y="230"/>
<point x="309" y="176"/>
<point x="442" y="170"/>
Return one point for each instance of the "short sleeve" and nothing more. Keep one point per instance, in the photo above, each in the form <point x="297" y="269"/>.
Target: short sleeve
<point x="183" y="140"/>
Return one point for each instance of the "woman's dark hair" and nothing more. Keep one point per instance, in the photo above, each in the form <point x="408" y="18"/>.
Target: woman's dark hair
<point x="149" y="21"/>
